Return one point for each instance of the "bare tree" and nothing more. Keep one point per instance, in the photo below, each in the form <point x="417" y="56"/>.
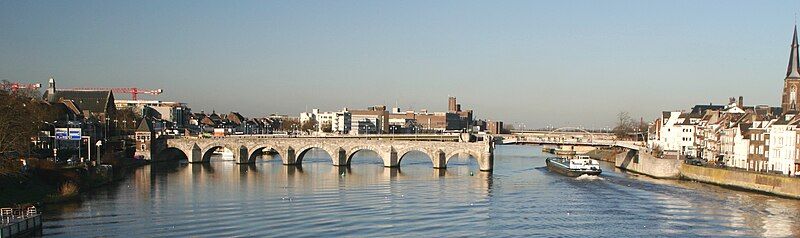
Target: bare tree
<point x="308" y="125"/>
<point x="21" y="118"/>
<point x="625" y="125"/>
<point x="327" y="127"/>
<point x="289" y="124"/>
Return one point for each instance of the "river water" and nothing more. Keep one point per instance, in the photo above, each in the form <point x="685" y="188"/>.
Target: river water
<point x="520" y="198"/>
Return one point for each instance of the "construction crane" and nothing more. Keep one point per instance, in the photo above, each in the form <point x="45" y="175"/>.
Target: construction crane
<point x="133" y="91"/>
<point x="14" y="86"/>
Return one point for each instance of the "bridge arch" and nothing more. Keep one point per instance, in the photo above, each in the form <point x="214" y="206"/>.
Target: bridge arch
<point x="402" y="154"/>
<point x="173" y="153"/>
<point x="353" y="150"/>
<point x="338" y="155"/>
<point x="261" y="151"/>
<point x="207" y="151"/>
<point x="455" y="153"/>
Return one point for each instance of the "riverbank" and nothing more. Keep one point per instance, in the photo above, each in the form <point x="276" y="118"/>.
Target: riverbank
<point x="766" y="183"/>
<point x="646" y="164"/>
<point x="48" y="183"/>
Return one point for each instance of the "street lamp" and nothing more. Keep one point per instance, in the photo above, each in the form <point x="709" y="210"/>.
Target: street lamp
<point x="99" y="143"/>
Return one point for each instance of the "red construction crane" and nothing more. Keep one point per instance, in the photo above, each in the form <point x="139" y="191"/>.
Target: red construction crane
<point x="14" y="86"/>
<point x="132" y="91"/>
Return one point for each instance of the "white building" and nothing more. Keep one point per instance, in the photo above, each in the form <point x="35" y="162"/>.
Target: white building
<point x="783" y="142"/>
<point x="677" y="132"/>
<point x="339" y="122"/>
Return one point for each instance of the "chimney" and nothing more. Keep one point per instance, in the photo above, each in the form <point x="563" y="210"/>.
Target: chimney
<point x="741" y="102"/>
<point x="731" y="100"/>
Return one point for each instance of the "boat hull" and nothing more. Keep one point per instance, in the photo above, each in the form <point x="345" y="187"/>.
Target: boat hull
<point x="555" y="167"/>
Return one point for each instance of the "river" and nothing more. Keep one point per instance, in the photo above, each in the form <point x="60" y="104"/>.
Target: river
<point x="520" y="198"/>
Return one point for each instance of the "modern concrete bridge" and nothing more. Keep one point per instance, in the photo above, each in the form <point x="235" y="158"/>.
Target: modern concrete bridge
<point x="571" y="139"/>
<point x="341" y="149"/>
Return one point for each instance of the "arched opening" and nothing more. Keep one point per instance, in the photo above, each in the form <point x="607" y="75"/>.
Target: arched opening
<point x="218" y="153"/>
<point x="365" y="156"/>
<point x="172" y="154"/>
<point x="462" y="162"/>
<point x="313" y="155"/>
<point x="264" y="154"/>
<point x="415" y="158"/>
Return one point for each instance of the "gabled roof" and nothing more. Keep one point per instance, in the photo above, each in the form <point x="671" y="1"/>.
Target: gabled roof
<point x="145" y="126"/>
<point x="701" y="109"/>
<point x="69" y="104"/>
<point x="235" y="118"/>
<point x="96" y="101"/>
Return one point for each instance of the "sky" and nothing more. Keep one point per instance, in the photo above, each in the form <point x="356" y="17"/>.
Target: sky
<point x="537" y="63"/>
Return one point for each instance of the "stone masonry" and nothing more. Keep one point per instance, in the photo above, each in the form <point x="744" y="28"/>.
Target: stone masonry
<point x="341" y="150"/>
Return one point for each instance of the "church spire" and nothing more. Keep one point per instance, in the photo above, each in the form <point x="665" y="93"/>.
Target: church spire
<point x="793" y="71"/>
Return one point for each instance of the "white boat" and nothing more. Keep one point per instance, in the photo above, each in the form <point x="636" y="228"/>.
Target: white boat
<point x="574" y="167"/>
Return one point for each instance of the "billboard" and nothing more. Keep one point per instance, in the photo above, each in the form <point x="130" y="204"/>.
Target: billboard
<point x="74" y="133"/>
<point x="62" y="133"/>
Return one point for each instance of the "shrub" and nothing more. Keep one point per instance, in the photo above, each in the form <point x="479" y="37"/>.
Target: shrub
<point x="68" y="189"/>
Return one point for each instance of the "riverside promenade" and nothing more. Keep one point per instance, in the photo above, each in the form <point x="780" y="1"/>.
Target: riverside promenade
<point x="15" y="222"/>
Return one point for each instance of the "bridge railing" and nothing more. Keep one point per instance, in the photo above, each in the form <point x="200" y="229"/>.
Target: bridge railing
<point x="551" y="140"/>
<point x="419" y="137"/>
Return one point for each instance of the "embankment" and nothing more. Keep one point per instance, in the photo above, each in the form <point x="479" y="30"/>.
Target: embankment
<point x="647" y="164"/>
<point x="767" y="183"/>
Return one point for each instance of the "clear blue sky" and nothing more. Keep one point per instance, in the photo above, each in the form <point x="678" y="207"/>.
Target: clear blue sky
<point x="542" y="63"/>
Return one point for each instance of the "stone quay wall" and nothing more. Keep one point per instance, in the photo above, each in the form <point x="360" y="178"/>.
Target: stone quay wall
<point x="645" y="163"/>
<point x="767" y="183"/>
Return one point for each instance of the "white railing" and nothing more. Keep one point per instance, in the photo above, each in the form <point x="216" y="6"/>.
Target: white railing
<point x="9" y="215"/>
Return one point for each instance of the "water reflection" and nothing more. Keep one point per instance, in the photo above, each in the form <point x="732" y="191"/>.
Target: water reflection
<point x="520" y="198"/>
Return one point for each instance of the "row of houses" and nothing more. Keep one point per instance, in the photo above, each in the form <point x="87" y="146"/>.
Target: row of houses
<point x="379" y="120"/>
<point x="757" y="138"/>
<point x="231" y="123"/>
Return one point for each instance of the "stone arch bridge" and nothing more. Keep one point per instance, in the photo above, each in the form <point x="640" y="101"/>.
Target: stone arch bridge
<point x="341" y="150"/>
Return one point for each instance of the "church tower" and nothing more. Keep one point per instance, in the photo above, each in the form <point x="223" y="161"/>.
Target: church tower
<point x="50" y="94"/>
<point x="791" y="84"/>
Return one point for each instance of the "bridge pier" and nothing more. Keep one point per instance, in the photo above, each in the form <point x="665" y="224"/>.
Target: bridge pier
<point x="339" y="157"/>
<point x="439" y="159"/>
<point x="288" y="156"/>
<point x="486" y="163"/>
<point x="242" y="156"/>
<point x="390" y="158"/>
<point x="195" y="155"/>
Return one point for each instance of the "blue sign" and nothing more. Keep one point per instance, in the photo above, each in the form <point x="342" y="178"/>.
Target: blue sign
<point x="74" y="133"/>
<point x="62" y="134"/>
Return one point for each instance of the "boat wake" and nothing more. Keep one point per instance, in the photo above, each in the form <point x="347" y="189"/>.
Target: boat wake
<point x="589" y="177"/>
